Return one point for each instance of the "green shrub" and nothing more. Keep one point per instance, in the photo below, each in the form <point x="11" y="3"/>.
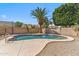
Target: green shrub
<point x="18" y="24"/>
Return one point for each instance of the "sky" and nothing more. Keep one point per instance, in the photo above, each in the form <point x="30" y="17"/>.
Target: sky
<point x="22" y="11"/>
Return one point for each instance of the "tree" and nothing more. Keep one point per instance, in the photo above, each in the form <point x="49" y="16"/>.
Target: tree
<point x="18" y="24"/>
<point x="66" y="14"/>
<point x="46" y="23"/>
<point x="40" y="14"/>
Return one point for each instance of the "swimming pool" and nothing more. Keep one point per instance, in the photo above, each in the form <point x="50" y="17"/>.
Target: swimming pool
<point x="45" y="36"/>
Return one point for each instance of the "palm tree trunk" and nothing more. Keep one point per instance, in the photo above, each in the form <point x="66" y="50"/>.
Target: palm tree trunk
<point x="12" y="28"/>
<point x="40" y="29"/>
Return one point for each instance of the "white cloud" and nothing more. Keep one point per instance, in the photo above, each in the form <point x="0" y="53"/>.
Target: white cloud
<point x="3" y="16"/>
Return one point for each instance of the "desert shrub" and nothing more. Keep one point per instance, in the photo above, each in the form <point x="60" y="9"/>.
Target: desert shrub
<point x="75" y="27"/>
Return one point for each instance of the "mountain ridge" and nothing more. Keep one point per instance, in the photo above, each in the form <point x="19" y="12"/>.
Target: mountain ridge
<point x="6" y="23"/>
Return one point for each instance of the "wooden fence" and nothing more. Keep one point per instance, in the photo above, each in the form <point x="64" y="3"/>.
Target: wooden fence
<point x="18" y="30"/>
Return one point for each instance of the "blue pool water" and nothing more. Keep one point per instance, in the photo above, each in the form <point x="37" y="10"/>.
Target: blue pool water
<point x="30" y="37"/>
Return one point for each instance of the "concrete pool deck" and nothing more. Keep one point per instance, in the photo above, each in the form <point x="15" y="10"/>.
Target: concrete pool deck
<point x="70" y="48"/>
<point x="25" y="47"/>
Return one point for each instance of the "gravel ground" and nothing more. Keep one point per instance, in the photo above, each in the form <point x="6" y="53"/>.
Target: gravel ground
<point x="61" y="49"/>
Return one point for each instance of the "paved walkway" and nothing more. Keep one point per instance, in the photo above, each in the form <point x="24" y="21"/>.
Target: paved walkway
<point x="61" y="49"/>
<point x="22" y="48"/>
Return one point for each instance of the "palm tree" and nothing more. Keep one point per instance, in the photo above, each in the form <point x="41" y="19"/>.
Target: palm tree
<point x="40" y="14"/>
